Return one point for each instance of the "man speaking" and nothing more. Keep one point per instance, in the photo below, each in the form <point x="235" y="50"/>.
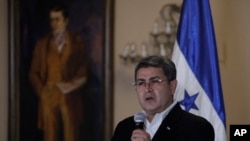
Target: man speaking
<point x="155" y="84"/>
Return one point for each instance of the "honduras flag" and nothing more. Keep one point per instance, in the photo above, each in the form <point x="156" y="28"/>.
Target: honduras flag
<point x="195" y="55"/>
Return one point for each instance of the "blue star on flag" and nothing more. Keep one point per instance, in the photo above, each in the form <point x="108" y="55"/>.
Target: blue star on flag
<point x="189" y="101"/>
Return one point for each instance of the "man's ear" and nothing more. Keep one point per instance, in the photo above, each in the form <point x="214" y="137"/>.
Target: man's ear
<point x="173" y="85"/>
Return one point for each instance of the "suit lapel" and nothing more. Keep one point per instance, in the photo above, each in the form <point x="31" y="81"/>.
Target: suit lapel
<point x="66" y="51"/>
<point x="167" y="127"/>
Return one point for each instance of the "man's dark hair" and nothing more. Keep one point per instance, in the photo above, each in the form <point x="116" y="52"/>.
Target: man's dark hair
<point x="167" y="66"/>
<point x="60" y="7"/>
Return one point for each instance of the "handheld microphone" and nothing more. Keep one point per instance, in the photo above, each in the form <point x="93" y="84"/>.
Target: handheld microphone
<point x="139" y="119"/>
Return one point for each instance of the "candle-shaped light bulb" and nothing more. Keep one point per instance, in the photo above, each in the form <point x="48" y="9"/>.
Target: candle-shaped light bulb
<point x="155" y="29"/>
<point x="162" y="50"/>
<point x="132" y="51"/>
<point x="168" y="27"/>
<point x="143" y="51"/>
<point x="126" y="51"/>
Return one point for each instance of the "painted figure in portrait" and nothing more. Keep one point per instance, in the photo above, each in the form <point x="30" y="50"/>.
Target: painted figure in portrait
<point x="58" y="74"/>
<point x="61" y="75"/>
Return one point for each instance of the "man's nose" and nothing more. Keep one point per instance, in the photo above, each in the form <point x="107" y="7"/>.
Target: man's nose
<point x="148" y="86"/>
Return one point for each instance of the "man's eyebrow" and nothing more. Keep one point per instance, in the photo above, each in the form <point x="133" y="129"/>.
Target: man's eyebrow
<point x="140" y="79"/>
<point x="151" y="78"/>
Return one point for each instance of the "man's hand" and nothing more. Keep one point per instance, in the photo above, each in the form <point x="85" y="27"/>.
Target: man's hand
<point x="67" y="87"/>
<point x="140" y="135"/>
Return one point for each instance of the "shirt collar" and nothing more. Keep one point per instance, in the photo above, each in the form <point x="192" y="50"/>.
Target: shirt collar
<point x="160" y="116"/>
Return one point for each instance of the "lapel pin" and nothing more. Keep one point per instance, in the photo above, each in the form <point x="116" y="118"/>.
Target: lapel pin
<point x="168" y="128"/>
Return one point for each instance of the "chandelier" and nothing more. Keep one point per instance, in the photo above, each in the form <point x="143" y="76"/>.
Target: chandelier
<point x="162" y="37"/>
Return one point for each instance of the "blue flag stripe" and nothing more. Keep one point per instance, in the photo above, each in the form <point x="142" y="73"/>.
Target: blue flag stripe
<point x="197" y="42"/>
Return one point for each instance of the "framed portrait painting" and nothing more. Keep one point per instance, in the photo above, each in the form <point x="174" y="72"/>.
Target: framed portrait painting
<point x="60" y="66"/>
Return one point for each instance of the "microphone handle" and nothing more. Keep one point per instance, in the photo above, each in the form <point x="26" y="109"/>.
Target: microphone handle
<point x="139" y="125"/>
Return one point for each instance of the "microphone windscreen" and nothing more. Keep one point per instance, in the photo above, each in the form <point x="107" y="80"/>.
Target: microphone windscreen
<point x="139" y="119"/>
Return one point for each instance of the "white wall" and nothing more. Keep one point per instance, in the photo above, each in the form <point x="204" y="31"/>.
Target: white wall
<point x="236" y="71"/>
<point x="3" y="71"/>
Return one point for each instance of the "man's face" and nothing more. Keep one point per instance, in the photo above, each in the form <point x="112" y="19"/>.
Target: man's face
<point x="57" y="21"/>
<point x="157" y="95"/>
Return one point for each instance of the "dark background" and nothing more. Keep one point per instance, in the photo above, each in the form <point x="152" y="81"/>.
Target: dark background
<point x="86" y="17"/>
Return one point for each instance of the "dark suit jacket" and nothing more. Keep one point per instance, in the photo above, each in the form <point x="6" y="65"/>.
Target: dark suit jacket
<point x="178" y="125"/>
